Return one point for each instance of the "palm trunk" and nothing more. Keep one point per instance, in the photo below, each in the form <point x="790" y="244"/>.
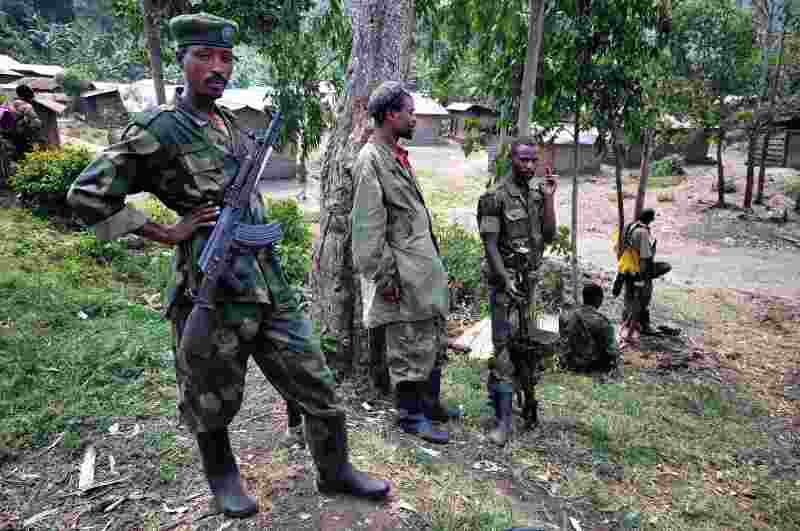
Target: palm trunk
<point x="382" y="35"/>
<point x="619" y="154"/>
<point x="720" y="171"/>
<point x="762" y="169"/>
<point x="574" y="235"/>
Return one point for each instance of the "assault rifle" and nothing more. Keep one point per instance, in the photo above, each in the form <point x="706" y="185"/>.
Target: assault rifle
<point x="527" y="346"/>
<point x="230" y="239"/>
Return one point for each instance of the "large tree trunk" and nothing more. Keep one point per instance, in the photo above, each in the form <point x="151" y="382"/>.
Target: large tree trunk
<point x="644" y="172"/>
<point x="619" y="152"/>
<point x="762" y="169"/>
<point x="773" y="93"/>
<point x="720" y="171"/>
<point x="152" y="33"/>
<point x="535" y="25"/>
<point x="574" y="235"/>
<point x="382" y="38"/>
<point x="751" y="156"/>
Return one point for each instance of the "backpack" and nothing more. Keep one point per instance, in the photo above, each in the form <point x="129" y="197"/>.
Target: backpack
<point x="581" y="344"/>
<point x="8" y="119"/>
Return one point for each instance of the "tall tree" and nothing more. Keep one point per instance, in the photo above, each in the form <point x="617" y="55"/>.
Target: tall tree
<point x="382" y="41"/>
<point x="152" y="20"/>
<point x="713" y="45"/>
<point x="535" y="26"/>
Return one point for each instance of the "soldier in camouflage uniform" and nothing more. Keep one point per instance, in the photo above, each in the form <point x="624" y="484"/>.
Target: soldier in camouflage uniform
<point x="516" y="216"/>
<point x="184" y="154"/>
<point x="395" y="251"/>
<point x="589" y="339"/>
<point x="28" y="127"/>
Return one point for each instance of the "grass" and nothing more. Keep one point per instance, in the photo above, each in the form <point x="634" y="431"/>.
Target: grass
<point x="443" y="193"/>
<point x="72" y="342"/>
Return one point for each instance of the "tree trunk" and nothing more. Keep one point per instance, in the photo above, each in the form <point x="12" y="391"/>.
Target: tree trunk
<point x="619" y="153"/>
<point x="644" y="171"/>
<point x="382" y="37"/>
<point x="762" y="169"/>
<point x="535" y="26"/>
<point x="152" y="33"/>
<point x="574" y="235"/>
<point x="751" y="156"/>
<point x="720" y="171"/>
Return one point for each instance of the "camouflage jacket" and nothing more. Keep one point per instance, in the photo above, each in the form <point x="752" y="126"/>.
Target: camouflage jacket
<point x="393" y="241"/>
<point x="589" y="338"/>
<point x="28" y="126"/>
<point x="185" y="161"/>
<point x="517" y="217"/>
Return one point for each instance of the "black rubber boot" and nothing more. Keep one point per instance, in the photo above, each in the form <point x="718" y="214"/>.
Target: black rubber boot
<point x="503" y="409"/>
<point x="223" y="475"/>
<point x="433" y="407"/>
<point x="412" y="416"/>
<point x="327" y="439"/>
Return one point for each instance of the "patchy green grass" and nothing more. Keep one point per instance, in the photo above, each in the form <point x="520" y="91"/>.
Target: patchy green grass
<point x="444" y="193"/>
<point x="676" y="446"/>
<point x="72" y="344"/>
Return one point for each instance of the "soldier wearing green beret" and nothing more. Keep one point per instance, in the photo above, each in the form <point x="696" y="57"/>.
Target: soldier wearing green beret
<point x="183" y="154"/>
<point x="395" y="251"/>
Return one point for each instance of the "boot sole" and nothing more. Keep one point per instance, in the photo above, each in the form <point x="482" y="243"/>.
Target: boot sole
<point x="234" y="514"/>
<point x="333" y="489"/>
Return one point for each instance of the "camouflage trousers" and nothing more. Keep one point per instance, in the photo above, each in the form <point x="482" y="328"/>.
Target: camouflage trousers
<point x="211" y="389"/>
<point x="414" y="349"/>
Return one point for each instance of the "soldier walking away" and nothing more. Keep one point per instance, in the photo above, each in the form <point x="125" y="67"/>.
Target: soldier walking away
<point x="396" y="253"/>
<point x="27" y="125"/>
<point x="183" y="154"/>
<point x="640" y="269"/>
<point x="590" y="342"/>
<point x="516" y="218"/>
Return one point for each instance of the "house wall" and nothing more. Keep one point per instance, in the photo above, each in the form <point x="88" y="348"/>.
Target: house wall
<point x="793" y="149"/>
<point x="459" y="120"/>
<point x="428" y="129"/>
<point x="105" y="111"/>
<point x="49" y="124"/>
<point x="561" y="158"/>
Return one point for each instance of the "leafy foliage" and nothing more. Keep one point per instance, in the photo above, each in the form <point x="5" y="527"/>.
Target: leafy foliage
<point x="295" y="248"/>
<point x="461" y="252"/>
<point x="45" y="175"/>
<point x="672" y="165"/>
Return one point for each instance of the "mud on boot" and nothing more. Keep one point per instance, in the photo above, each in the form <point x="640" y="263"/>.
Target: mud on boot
<point x="327" y="440"/>
<point x="223" y="476"/>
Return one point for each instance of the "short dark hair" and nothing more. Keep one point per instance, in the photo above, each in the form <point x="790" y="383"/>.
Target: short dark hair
<point x="592" y="294"/>
<point x="647" y="215"/>
<point x="523" y="141"/>
<point x="24" y="91"/>
<point x="393" y="105"/>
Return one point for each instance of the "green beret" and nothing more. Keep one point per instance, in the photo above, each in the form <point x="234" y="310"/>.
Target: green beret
<point x="383" y="96"/>
<point x="203" y="29"/>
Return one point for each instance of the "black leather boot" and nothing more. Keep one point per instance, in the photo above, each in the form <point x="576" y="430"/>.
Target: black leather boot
<point x="294" y="432"/>
<point x="503" y="410"/>
<point x="412" y="415"/>
<point x="433" y="407"/>
<point x="327" y="439"/>
<point x="223" y="475"/>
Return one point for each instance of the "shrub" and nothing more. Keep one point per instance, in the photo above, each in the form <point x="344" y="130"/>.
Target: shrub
<point x="672" y="165"/>
<point x="44" y="176"/>
<point x="103" y="252"/>
<point x="295" y="248"/>
<point x="461" y="253"/>
<point x="156" y="211"/>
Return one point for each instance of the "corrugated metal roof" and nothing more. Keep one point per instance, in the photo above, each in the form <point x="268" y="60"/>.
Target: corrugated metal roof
<point x="425" y="106"/>
<point x="254" y="98"/>
<point x="98" y="92"/>
<point x="39" y="84"/>
<point x="7" y="72"/>
<point x="50" y="104"/>
<point x="6" y="61"/>
<point x="463" y="107"/>
<point x="40" y="70"/>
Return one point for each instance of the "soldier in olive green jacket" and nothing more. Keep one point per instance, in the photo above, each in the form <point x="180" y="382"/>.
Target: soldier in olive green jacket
<point x="395" y="251"/>
<point x="184" y="154"/>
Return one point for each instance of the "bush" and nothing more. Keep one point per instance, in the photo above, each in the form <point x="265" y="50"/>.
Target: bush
<point x="672" y="165"/>
<point x="44" y="176"/>
<point x="103" y="252"/>
<point x="295" y="248"/>
<point x="156" y="211"/>
<point x="461" y="253"/>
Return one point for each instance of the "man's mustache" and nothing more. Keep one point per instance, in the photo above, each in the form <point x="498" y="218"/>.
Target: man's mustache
<point x="216" y="77"/>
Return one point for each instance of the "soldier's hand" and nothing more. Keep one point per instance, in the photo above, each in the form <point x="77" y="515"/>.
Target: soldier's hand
<point x="188" y="225"/>
<point x="550" y="185"/>
<point x="391" y="295"/>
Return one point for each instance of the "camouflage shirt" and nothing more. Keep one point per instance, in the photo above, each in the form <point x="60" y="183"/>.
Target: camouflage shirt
<point x="590" y="339"/>
<point x="517" y="217"/>
<point x="393" y="241"/>
<point x="184" y="160"/>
